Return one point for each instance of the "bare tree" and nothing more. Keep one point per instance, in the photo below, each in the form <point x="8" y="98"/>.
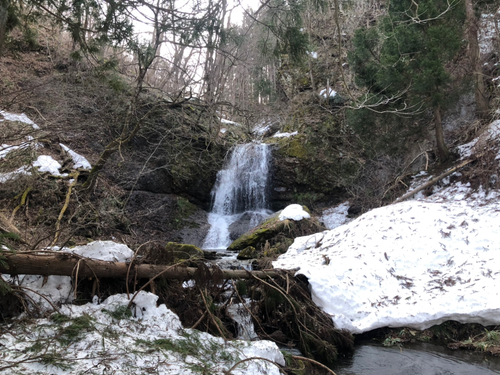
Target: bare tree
<point x="474" y="56"/>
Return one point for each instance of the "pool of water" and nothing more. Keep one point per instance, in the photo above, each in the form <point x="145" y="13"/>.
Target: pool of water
<point x="416" y="359"/>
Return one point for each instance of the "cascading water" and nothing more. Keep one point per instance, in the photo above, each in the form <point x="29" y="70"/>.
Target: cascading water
<point x="240" y="193"/>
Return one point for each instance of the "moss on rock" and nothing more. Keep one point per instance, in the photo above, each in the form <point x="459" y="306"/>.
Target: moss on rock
<point x="184" y="251"/>
<point x="273" y="237"/>
<point x="319" y="163"/>
<point x="248" y="253"/>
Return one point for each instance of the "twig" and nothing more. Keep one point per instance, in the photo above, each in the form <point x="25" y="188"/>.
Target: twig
<point x="211" y="315"/>
<point x="151" y="280"/>
<point x="23" y="202"/>
<point x="76" y="276"/>
<point x="41" y="295"/>
<point x="199" y="320"/>
<point x="300" y="358"/>
<point x="130" y="266"/>
<point x="254" y="317"/>
<point x="65" y="206"/>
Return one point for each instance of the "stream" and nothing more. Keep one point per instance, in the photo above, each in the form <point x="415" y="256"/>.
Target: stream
<point x="416" y="359"/>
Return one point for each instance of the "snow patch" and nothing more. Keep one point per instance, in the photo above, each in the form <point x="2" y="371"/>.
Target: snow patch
<point x="4" y="177"/>
<point x="21" y="118"/>
<point x="294" y="212"/>
<point x="224" y="121"/>
<point x="108" y="251"/>
<point x="130" y="345"/>
<point x="55" y="289"/>
<point x="78" y="160"/>
<point x="492" y="132"/>
<point x="46" y="163"/>
<point x="335" y="216"/>
<point x="324" y="93"/>
<point x="284" y="135"/>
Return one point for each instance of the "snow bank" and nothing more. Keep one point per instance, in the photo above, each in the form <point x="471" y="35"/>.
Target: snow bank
<point x="413" y="264"/>
<point x="294" y="212"/>
<point x="152" y="340"/>
<point x="78" y="160"/>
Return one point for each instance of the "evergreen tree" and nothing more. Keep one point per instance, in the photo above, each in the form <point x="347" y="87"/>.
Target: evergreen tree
<point x="406" y="55"/>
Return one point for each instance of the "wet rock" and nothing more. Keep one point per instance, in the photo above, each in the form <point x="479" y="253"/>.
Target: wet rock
<point x="240" y="226"/>
<point x="247" y="221"/>
<point x="248" y="253"/>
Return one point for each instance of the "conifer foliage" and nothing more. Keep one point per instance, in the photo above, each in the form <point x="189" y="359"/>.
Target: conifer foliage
<point x="403" y="59"/>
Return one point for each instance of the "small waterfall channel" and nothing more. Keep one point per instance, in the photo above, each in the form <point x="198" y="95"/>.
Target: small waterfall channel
<point x="240" y="195"/>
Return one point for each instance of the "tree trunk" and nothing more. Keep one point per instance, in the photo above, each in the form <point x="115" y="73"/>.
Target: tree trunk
<point x="4" y="14"/>
<point x="69" y="265"/>
<point x="443" y="152"/>
<point x="474" y="56"/>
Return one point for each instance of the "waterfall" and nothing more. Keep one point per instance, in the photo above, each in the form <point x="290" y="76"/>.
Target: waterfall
<point x="240" y="194"/>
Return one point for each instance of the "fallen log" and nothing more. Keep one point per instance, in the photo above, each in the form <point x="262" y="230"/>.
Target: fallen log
<point x="47" y="264"/>
<point x="433" y="181"/>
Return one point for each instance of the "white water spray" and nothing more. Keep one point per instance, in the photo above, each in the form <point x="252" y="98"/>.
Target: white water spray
<point x="241" y="188"/>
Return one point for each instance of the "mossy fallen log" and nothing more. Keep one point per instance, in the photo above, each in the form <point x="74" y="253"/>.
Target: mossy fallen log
<point x="65" y="264"/>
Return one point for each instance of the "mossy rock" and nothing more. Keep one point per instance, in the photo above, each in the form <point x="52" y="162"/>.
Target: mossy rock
<point x="273" y="237"/>
<point x="259" y="234"/>
<point x="279" y="248"/>
<point x="184" y="251"/>
<point x="248" y="253"/>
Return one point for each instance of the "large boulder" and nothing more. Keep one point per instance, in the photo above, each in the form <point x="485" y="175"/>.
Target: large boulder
<point x="274" y="236"/>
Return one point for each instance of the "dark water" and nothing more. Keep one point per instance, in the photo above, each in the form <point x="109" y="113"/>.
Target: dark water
<point x="416" y="359"/>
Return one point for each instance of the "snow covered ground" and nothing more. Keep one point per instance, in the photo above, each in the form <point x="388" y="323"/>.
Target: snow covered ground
<point x="413" y="264"/>
<point x="106" y="337"/>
